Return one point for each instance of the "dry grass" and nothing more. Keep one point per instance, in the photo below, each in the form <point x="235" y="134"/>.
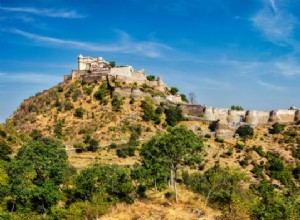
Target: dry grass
<point x="154" y="207"/>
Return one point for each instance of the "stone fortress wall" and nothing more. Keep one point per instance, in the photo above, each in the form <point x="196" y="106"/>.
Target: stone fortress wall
<point x="228" y="120"/>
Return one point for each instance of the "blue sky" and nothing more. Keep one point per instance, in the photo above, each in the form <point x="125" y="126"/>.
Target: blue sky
<point x="227" y="52"/>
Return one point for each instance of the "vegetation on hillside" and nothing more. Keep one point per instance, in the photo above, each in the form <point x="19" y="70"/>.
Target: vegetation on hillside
<point x="138" y="148"/>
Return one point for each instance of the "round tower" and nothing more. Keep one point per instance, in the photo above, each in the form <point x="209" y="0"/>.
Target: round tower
<point x="297" y="115"/>
<point x="79" y="61"/>
<point x="274" y="116"/>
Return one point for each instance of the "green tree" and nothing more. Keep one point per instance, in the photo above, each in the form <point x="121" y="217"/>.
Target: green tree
<point x="116" y="104"/>
<point x="35" y="175"/>
<point x="5" y="151"/>
<point x="245" y="132"/>
<point x="102" y="93"/>
<point x="112" y="64"/>
<point x="151" y="77"/>
<point x="184" y="98"/>
<point x="174" y="90"/>
<point x="277" y="128"/>
<point x="173" y="115"/>
<point x="237" y="108"/>
<point x="174" y="148"/>
<point x="79" y="112"/>
<point x="58" y="129"/>
<point x="103" y="179"/>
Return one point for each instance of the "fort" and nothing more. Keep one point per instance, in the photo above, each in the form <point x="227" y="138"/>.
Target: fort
<point x="227" y="121"/>
<point x="91" y="69"/>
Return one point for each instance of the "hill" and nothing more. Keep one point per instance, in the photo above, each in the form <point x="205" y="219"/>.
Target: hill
<point x="107" y="119"/>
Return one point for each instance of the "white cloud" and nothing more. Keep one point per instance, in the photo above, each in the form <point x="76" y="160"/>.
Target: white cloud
<point x="124" y="45"/>
<point x="47" y="12"/>
<point x="269" y="85"/>
<point x="276" y="24"/>
<point x="287" y="67"/>
<point x="273" y="4"/>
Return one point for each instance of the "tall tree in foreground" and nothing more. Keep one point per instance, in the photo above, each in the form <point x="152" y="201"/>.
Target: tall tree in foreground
<point x="179" y="146"/>
<point x="35" y="175"/>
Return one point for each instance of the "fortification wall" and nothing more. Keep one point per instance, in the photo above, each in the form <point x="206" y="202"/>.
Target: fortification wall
<point x="174" y="98"/>
<point x="284" y="116"/>
<point x="235" y="116"/>
<point x="129" y="93"/>
<point x="257" y="117"/>
<point x="232" y="116"/>
<point x="192" y="110"/>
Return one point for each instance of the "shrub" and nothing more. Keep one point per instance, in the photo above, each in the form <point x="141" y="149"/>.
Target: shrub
<point x="148" y="109"/>
<point x="237" y="108"/>
<point x="169" y="194"/>
<point x="240" y="146"/>
<point x="76" y="94"/>
<point x="112" y="146"/>
<point x="112" y="64"/>
<point x="296" y="172"/>
<point x="132" y="101"/>
<point x="116" y="104"/>
<point x="68" y="106"/>
<point x="79" y="112"/>
<point x="184" y="98"/>
<point x="213" y="126"/>
<point x="151" y="78"/>
<point x="173" y="115"/>
<point x="102" y="92"/>
<point x="125" y="152"/>
<point x="296" y="153"/>
<point x="3" y="134"/>
<point x="60" y="89"/>
<point x="219" y="140"/>
<point x="92" y="145"/>
<point x="245" y="131"/>
<point x="259" y="150"/>
<point x="277" y="128"/>
<point x="58" y="130"/>
<point x="207" y="136"/>
<point x="79" y="147"/>
<point x="174" y="90"/>
<point x="5" y="151"/>
<point x="32" y="108"/>
<point x="88" y="90"/>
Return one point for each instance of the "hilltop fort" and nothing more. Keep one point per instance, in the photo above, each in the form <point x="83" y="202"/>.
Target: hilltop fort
<point x="126" y="82"/>
<point x="90" y="69"/>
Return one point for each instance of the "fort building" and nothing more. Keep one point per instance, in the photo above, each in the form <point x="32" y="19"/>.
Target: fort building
<point x="90" y="69"/>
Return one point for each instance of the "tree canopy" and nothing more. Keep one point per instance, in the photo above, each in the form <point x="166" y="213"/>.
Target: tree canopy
<point x="166" y="152"/>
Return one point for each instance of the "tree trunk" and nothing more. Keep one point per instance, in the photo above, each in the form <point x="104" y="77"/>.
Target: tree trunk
<point x="207" y="197"/>
<point x="175" y="188"/>
<point x="155" y="184"/>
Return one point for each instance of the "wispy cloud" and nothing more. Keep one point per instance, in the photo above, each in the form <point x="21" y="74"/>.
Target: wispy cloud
<point x="124" y="45"/>
<point x="276" y="24"/>
<point x="287" y="67"/>
<point x="29" y="78"/>
<point x="269" y="85"/>
<point x="47" y="12"/>
<point x="273" y="5"/>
